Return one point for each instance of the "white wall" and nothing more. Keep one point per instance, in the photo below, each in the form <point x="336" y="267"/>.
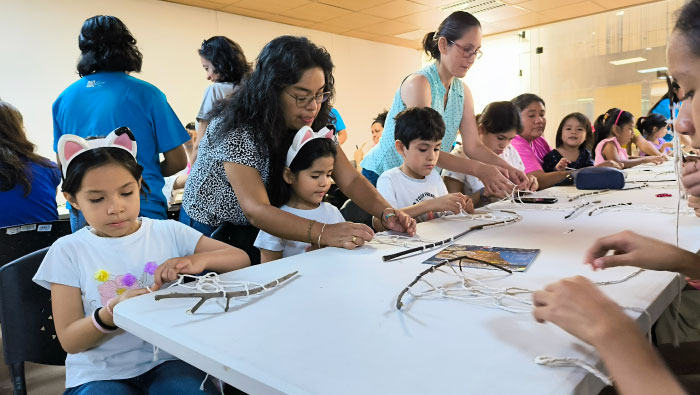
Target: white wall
<point x="39" y="47"/>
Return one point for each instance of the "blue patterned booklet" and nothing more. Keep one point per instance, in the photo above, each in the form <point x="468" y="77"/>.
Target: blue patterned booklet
<point x="515" y="259"/>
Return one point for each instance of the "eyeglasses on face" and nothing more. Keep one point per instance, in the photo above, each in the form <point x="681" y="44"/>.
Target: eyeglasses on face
<point x="466" y="52"/>
<point x="303" y="101"/>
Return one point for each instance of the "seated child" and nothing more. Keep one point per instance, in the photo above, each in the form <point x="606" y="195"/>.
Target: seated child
<point x="306" y="179"/>
<point x="573" y="140"/>
<point x="613" y="130"/>
<point x="653" y="129"/>
<point x="118" y="256"/>
<point x="498" y="125"/>
<point x="415" y="186"/>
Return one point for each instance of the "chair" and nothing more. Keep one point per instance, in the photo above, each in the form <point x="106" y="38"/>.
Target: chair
<point x="28" y="332"/>
<point x="18" y="241"/>
<point x="353" y="213"/>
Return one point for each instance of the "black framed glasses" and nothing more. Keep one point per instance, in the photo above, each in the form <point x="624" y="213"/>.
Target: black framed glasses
<point x="303" y="101"/>
<point x="466" y="52"/>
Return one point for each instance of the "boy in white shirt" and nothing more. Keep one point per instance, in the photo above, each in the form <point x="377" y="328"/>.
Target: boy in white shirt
<point x="415" y="186"/>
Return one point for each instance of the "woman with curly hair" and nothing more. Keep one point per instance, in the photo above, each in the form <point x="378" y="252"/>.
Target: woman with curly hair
<point x="236" y="183"/>
<point x="106" y="97"/>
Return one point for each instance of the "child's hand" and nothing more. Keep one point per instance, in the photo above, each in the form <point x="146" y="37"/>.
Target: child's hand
<point x="454" y="202"/>
<point x="532" y="183"/>
<point x="563" y="163"/>
<point x="128" y="294"/>
<point x="611" y="163"/>
<point x="657" y="160"/>
<point x="169" y="269"/>
<point x="579" y="307"/>
<point x="632" y="249"/>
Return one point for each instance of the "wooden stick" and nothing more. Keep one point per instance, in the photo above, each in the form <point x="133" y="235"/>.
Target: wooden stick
<point x="393" y="256"/>
<point x="423" y="273"/>
<point x="204" y="296"/>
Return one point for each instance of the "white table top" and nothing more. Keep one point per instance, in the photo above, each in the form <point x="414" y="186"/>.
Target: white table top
<point x="334" y="328"/>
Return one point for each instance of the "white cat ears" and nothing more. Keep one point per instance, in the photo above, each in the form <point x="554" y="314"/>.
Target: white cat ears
<point x="70" y="145"/>
<point x="303" y="136"/>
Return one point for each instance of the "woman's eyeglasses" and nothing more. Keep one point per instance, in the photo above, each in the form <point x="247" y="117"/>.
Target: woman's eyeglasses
<point x="306" y="100"/>
<point x="467" y="53"/>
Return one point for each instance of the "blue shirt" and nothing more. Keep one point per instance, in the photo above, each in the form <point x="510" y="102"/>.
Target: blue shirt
<point x="383" y="156"/>
<point x="39" y="205"/>
<point x="101" y="102"/>
<point x="338" y="122"/>
<point x="663" y="109"/>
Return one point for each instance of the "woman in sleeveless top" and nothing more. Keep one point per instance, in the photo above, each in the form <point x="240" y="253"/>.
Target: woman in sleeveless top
<point x="455" y="46"/>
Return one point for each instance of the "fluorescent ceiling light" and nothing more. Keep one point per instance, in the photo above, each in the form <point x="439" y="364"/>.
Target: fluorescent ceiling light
<point x="652" y="70"/>
<point x="585" y="99"/>
<point x="627" y="61"/>
<point x="413" y="35"/>
<point x="620" y="13"/>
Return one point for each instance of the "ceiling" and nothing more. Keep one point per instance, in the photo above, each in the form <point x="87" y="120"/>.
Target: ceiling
<point x="405" y="22"/>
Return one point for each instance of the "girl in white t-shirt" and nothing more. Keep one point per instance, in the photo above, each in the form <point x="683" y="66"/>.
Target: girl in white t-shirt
<point x="498" y="124"/>
<point x="307" y="178"/>
<point x="118" y="256"/>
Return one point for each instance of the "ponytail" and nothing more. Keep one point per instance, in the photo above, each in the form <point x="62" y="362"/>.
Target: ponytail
<point x="452" y="28"/>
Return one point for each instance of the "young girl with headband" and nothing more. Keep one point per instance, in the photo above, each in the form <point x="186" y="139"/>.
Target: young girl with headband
<point x="613" y="130"/>
<point x="306" y="179"/>
<point x="118" y="256"/>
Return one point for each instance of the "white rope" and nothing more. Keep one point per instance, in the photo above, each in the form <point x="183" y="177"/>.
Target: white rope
<point x="546" y="360"/>
<point x="212" y="283"/>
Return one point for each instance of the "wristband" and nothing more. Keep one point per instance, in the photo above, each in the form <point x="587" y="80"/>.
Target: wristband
<point x="101" y="326"/>
<point x="308" y="231"/>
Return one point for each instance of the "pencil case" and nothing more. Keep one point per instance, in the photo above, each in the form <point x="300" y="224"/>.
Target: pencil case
<point x="599" y="178"/>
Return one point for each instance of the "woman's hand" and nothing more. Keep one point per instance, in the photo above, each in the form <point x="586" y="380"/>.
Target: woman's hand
<point x="396" y="220"/>
<point x="348" y="235"/>
<point x="562" y="164"/>
<point x="657" y="160"/>
<point x="632" y="249"/>
<point x="168" y="271"/>
<point x="576" y="305"/>
<point x="496" y="180"/>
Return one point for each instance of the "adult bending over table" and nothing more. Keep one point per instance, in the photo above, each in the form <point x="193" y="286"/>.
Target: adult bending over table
<point x="237" y="178"/>
<point x="454" y="46"/>
<point x="579" y="307"/>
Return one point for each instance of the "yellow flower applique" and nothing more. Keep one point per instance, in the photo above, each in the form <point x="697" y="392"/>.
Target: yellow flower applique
<point x="101" y="275"/>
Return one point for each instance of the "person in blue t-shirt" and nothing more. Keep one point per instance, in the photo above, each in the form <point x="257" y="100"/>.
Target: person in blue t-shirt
<point x="336" y="120"/>
<point x="107" y="97"/>
<point x="28" y="181"/>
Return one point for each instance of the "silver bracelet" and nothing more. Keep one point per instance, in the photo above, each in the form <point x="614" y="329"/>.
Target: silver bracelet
<point x="321" y="234"/>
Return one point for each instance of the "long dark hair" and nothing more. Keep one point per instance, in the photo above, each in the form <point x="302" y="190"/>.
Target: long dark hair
<point x="605" y="122"/>
<point x="500" y="117"/>
<point x="583" y="120"/>
<point x="16" y="151"/>
<point x="452" y="28"/>
<point x="107" y="45"/>
<point x="314" y="149"/>
<point x="524" y="100"/>
<point x="257" y="104"/>
<point x="227" y="58"/>
<point x="689" y="24"/>
<point x="647" y="124"/>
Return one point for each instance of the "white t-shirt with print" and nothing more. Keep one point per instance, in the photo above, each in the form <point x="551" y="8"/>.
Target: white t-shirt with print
<point x="103" y="267"/>
<point x="402" y="191"/>
<point x="325" y="213"/>
<point x="473" y="184"/>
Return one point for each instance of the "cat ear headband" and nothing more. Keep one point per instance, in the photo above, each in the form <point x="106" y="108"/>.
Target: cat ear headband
<point x="303" y="136"/>
<point x="70" y="145"/>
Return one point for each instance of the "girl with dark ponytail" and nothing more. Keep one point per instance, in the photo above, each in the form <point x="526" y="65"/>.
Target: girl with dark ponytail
<point x="653" y="129"/>
<point x="455" y="46"/>
<point x="613" y="130"/>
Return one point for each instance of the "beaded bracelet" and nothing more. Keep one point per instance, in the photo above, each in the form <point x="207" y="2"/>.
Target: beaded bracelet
<point x="101" y="326"/>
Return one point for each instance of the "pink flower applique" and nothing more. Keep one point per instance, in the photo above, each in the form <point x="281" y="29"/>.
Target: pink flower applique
<point x="115" y="287"/>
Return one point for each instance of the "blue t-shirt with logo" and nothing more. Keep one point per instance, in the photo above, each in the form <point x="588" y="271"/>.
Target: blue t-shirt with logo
<point x="338" y="123"/>
<point x="101" y="102"/>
